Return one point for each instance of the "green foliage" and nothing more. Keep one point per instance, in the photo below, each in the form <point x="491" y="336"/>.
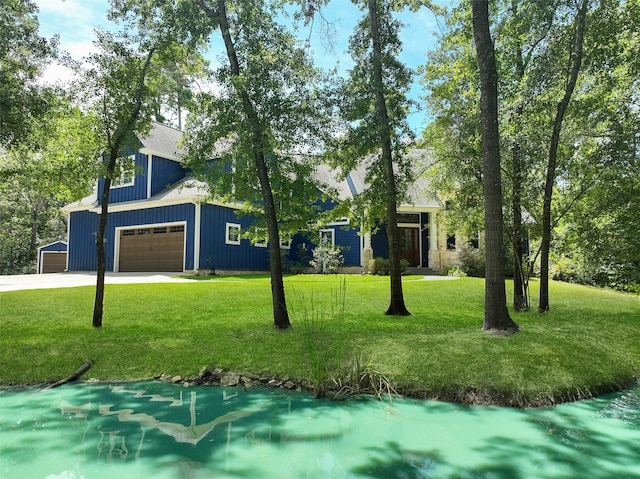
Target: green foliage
<point x="381" y="266"/>
<point x="53" y="165"/>
<point x="598" y="145"/>
<point x="454" y="271"/>
<point x="326" y="259"/>
<point x="23" y="56"/>
<point x="281" y="83"/>
<point x="472" y="261"/>
<point x="589" y="341"/>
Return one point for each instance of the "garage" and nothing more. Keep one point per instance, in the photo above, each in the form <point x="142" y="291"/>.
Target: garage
<point x="157" y="248"/>
<point x="52" y="258"/>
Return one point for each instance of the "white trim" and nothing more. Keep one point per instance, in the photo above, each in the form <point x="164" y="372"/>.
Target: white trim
<point x="341" y="222"/>
<point x="116" y="246"/>
<point x="160" y="154"/>
<point x="149" y="173"/>
<point x="228" y="227"/>
<point x="52" y="243"/>
<point x="40" y="253"/>
<point x="145" y="204"/>
<point x="124" y="174"/>
<point x="196" y="236"/>
<point x="285" y="244"/>
<point x="333" y="235"/>
<point x="41" y="259"/>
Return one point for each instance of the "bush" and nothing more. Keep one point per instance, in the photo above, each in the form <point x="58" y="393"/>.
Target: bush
<point x="326" y="259"/>
<point x="382" y="266"/>
<point x="472" y="261"/>
<point x="453" y="271"/>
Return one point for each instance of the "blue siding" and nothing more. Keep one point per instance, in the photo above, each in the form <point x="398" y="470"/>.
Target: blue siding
<point x="380" y="243"/>
<point x="137" y="191"/>
<point x="216" y="254"/>
<point x="57" y="246"/>
<point x="349" y="241"/>
<point x="84" y="225"/>
<point x="164" y="173"/>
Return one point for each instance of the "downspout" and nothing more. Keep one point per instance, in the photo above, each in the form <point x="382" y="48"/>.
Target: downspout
<point x="196" y="236"/>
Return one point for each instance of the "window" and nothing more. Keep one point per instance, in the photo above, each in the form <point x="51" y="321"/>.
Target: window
<point x="233" y="233"/>
<point x="160" y="231"/>
<point x="409" y="218"/>
<point x="474" y="241"/>
<point x="285" y="243"/>
<point x="327" y="238"/>
<point x="129" y="233"/>
<point x="176" y="229"/>
<point x="451" y="242"/>
<point x="126" y="167"/>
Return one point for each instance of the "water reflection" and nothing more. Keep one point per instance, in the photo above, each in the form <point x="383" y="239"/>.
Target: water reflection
<point x="160" y="430"/>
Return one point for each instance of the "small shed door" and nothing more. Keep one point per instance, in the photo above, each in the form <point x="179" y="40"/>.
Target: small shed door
<point x="54" y="261"/>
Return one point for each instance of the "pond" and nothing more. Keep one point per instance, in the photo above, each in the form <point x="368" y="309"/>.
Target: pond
<point x="162" y="430"/>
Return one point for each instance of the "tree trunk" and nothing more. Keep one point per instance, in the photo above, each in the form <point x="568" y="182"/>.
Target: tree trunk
<point x="98" y="305"/>
<point x="396" y="306"/>
<point x="553" y="157"/>
<point x="280" y="313"/>
<point x="520" y="296"/>
<point x="496" y="315"/>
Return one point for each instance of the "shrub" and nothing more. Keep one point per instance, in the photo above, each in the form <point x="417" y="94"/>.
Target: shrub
<point x="382" y="266"/>
<point x="472" y="261"/>
<point x="326" y="259"/>
<point x="379" y="266"/>
<point x="453" y="271"/>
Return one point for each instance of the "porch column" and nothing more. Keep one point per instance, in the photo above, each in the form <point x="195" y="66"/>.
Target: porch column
<point x="367" y="251"/>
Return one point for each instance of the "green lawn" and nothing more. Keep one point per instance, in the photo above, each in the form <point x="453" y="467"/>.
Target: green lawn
<point x="589" y="342"/>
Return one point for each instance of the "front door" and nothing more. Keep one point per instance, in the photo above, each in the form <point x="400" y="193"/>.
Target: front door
<point x="409" y="239"/>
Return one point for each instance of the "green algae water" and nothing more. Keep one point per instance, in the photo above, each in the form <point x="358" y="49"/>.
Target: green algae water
<point x="157" y="430"/>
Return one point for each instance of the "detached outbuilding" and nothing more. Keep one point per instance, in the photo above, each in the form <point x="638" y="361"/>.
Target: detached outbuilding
<point x="52" y="258"/>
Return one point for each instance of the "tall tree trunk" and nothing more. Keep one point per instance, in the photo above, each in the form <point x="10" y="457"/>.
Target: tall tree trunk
<point x="396" y="306"/>
<point x="520" y="296"/>
<point x="98" y="305"/>
<point x="280" y="313"/>
<point x="545" y="246"/>
<point x="496" y="315"/>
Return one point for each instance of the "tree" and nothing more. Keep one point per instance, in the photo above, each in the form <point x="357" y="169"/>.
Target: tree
<point x="51" y="166"/>
<point x="23" y="54"/>
<point x="266" y="116"/>
<point x="496" y="316"/>
<point x="117" y="83"/>
<point x="575" y="63"/>
<point x="373" y="105"/>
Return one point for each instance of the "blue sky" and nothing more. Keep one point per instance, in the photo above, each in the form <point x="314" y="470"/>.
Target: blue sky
<point x="75" y="21"/>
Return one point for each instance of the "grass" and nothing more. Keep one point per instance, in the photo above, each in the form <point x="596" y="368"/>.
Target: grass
<point x="587" y="344"/>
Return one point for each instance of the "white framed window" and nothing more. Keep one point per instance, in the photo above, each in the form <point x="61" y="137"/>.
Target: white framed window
<point x="285" y="243"/>
<point x="233" y="233"/>
<point x="328" y="237"/>
<point x="127" y="177"/>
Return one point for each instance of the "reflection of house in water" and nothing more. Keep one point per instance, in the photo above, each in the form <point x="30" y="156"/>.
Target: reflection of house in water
<point x="192" y="433"/>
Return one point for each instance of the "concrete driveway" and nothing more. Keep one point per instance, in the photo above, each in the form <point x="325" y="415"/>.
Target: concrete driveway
<point x="70" y="280"/>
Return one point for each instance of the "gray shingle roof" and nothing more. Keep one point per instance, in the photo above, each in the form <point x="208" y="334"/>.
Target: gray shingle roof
<point x="163" y="139"/>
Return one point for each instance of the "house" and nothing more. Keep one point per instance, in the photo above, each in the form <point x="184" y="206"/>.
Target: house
<point x="161" y="219"/>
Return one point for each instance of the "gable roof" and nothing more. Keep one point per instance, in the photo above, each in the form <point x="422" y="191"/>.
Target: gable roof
<point x="163" y="140"/>
<point x="419" y="193"/>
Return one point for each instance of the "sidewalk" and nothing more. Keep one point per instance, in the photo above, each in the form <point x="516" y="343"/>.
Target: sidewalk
<point x="70" y="280"/>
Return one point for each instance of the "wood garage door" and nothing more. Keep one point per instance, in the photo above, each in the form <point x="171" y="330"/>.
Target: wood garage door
<point x="53" y="262"/>
<point x="159" y="248"/>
